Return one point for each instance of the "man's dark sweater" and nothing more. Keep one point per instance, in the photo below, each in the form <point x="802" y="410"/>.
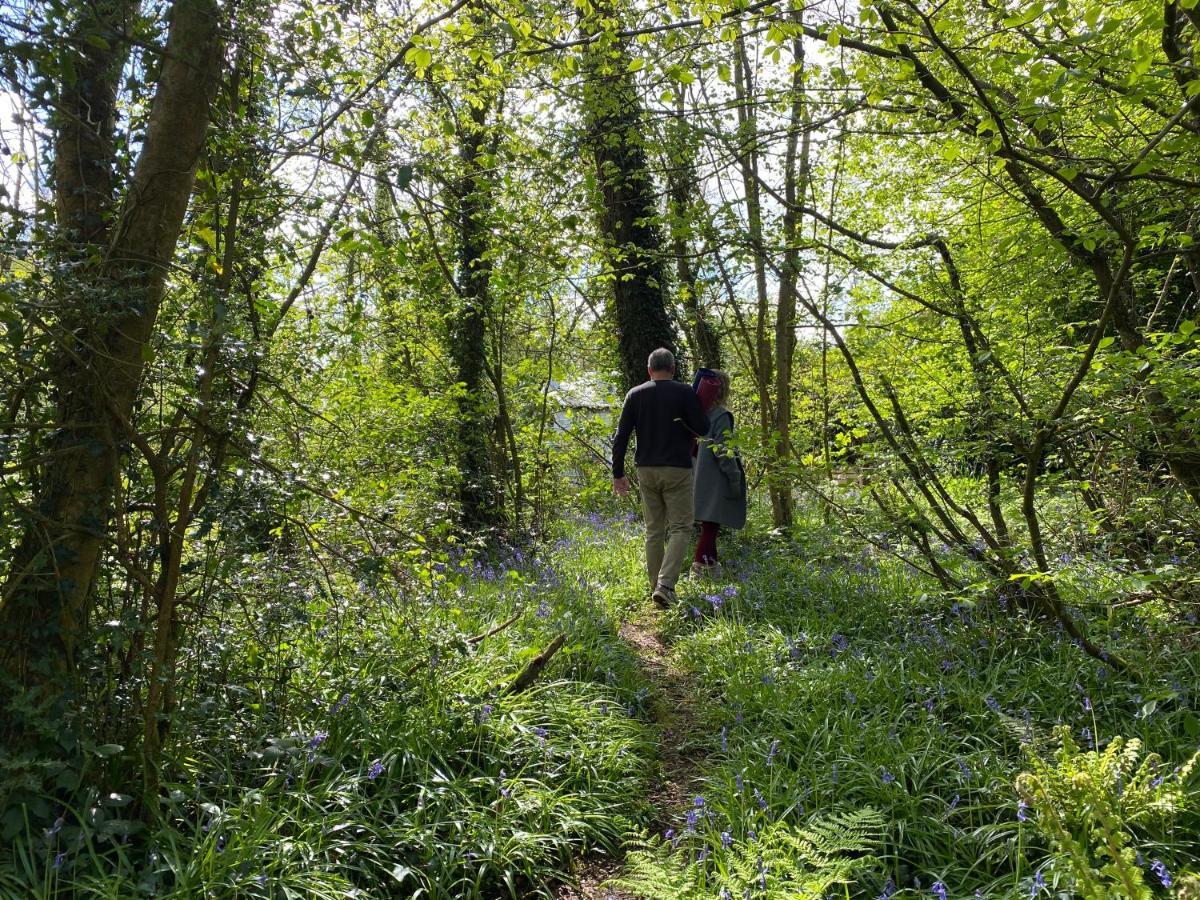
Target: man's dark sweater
<point x="666" y="416"/>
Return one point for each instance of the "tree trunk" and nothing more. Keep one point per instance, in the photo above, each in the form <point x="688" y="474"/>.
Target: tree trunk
<point x="46" y="597"/>
<point x="683" y="198"/>
<point x="478" y="491"/>
<point x="628" y="215"/>
<point x="796" y="174"/>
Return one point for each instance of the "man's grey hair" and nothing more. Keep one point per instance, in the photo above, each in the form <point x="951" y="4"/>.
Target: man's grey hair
<point x="662" y="360"/>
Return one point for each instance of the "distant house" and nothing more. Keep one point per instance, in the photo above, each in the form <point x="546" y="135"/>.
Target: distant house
<point x="585" y="413"/>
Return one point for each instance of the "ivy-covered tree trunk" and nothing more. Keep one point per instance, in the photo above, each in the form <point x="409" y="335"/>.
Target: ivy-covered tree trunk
<point x="478" y="491"/>
<point x="107" y="317"/>
<point x="628" y="213"/>
<point x="683" y="199"/>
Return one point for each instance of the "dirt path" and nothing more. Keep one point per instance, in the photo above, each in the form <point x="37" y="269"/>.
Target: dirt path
<point x="675" y="710"/>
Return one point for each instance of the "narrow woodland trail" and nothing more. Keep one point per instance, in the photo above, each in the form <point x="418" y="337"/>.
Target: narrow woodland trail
<point x="681" y="753"/>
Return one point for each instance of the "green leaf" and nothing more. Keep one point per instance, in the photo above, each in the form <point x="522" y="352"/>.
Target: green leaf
<point x="419" y="58"/>
<point x="636" y="64"/>
<point x="207" y="236"/>
<point x="104" y="751"/>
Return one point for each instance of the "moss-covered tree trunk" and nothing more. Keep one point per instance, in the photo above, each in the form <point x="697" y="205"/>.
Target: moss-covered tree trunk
<point x="107" y="316"/>
<point x="478" y="490"/>
<point x="628" y="214"/>
<point x="685" y="204"/>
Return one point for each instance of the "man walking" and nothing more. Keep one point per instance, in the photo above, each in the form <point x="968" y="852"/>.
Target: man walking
<point x="667" y="417"/>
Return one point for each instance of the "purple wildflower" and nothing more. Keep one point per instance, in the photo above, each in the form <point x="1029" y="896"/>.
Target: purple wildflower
<point x="888" y="890"/>
<point x="485" y="712"/>
<point x="1022" y="814"/>
<point x="726" y="839"/>
<point x="939" y="890"/>
<point x="1038" y="883"/>
<point x="317" y="740"/>
<point x="771" y="752"/>
<point x="888" y="777"/>
<point x="59" y="859"/>
<point x="375" y="771"/>
<point x="1159" y="868"/>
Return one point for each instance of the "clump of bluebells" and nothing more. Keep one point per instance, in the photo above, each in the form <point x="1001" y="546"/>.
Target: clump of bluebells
<point x="852" y="686"/>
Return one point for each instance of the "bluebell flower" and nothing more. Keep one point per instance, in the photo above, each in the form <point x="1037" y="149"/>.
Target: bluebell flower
<point x="724" y="738"/>
<point x="503" y="790"/>
<point x="992" y="704"/>
<point x="953" y="804"/>
<point x="888" y="890"/>
<point x="1159" y="868"/>
<point x="888" y="777"/>
<point x="703" y="855"/>
<point x="939" y="890"/>
<point x="317" y="740"/>
<point x="1022" y="814"/>
<point x="741" y="784"/>
<point x="726" y="839"/>
<point x="341" y="704"/>
<point x="59" y="859"/>
<point x="1038" y="883"/>
<point x="56" y="827"/>
<point x="772" y="751"/>
<point x="261" y="880"/>
<point x="485" y="712"/>
<point x="698" y="802"/>
<point x="541" y="732"/>
<point x="375" y="771"/>
<point x="692" y="818"/>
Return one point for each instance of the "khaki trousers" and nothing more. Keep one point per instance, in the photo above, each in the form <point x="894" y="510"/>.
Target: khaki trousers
<point x="667" y="507"/>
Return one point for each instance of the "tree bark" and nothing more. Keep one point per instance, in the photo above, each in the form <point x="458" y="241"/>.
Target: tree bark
<point x="109" y="321"/>
<point x="628" y="214"/>
<point x="684" y="198"/>
<point x="478" y="493"/>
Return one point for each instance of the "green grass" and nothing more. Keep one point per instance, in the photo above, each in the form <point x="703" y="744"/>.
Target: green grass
<point x="832" y="686"/>
<point x="840" y="682"/>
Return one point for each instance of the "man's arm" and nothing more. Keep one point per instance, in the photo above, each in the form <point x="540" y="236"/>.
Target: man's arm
<point x="621" y="441"/>
<point x="694" y="415"/>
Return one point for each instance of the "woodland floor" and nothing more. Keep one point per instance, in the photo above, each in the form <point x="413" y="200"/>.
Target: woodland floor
<point x="673" y="701"/>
